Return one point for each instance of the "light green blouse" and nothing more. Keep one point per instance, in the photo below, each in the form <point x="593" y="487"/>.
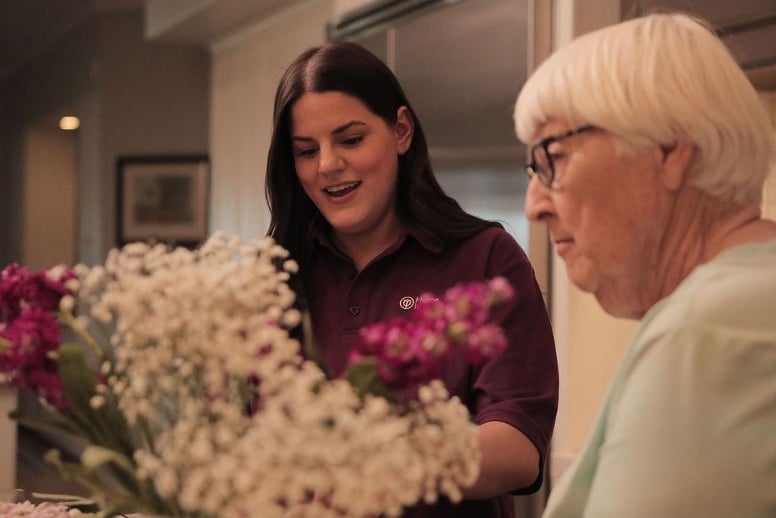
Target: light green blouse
<point x="688" y="428"/>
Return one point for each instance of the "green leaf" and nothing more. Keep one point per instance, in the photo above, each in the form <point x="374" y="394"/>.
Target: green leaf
<point x="112" y="499"/>
<point x="54" y="424"/>
<point x="104" y="426"/>
<point x="95" y="456"/>
<point x="309" y="346"/>
<point x="68" y="500"/>
<point x="362" y="375"/>
<point x="83" y="477"/>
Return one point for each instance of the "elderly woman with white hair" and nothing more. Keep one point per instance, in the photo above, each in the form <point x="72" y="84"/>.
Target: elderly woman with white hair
<point x="649" y="150"/>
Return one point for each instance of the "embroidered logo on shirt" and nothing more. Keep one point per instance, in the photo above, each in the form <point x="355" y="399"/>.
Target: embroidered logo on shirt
<point x="407" y="303"/>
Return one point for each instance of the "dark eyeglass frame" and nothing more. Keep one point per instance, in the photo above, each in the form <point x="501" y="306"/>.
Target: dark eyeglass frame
<point x="546" y="175"/>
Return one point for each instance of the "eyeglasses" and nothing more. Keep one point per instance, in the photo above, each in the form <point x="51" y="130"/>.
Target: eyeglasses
<point x="541" y="165"/>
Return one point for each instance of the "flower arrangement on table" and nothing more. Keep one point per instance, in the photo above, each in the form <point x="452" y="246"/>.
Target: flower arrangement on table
<point x="179" y="371"/>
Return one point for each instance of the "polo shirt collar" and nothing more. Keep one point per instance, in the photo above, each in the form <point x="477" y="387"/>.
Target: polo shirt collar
<point x="322" y="236"/>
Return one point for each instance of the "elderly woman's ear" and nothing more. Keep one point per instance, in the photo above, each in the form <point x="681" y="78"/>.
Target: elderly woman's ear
<point x="676" y="161"/>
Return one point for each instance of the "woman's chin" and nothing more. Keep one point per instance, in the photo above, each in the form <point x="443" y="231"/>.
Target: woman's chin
<point x="582" y="274"/>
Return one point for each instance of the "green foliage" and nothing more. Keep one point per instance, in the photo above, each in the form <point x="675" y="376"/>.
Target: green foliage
<point x="362" y="375"/>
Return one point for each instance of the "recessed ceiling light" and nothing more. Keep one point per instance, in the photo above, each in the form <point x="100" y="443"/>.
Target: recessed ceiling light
<point x="68" y="122"/>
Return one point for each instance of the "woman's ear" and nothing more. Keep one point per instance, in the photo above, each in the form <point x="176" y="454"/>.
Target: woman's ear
<point x="404" y="129"/>
<point x="677" y="161"/>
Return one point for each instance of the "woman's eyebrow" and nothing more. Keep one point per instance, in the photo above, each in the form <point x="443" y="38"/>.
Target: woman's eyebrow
<point x="347" y="125"/>
<point x="339" y="129"/>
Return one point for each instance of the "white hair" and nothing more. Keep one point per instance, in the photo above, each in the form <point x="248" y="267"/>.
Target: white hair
<point x="655" y="80"/>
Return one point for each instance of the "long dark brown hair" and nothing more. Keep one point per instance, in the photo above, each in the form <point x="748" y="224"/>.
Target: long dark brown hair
<point x="347" y="67"/>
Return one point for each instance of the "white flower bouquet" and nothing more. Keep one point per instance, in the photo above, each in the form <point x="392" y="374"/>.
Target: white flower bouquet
<point x="193" y="398"/>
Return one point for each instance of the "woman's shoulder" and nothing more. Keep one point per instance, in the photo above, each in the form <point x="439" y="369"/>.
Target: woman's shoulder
<point x="735" y="291"/>
<point x="493" y="232"/>
<point x="494" y="238"/>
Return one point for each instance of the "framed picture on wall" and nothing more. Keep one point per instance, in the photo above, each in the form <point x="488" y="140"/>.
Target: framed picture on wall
<point x="162" y="199"/>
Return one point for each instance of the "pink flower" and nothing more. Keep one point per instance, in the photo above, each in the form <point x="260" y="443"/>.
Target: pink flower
<point x="429" y="309"/>
<point x="485" y="342"/>
<point x="46" y="383"/>
<point x="411" y="351"/>
<point x="500" y="289"/>
<point x="28" y="303"/>
<point x="33" y="336"/>
<point x="20" y="289"/>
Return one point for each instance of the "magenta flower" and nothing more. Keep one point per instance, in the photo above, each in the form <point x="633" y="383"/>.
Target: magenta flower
<point x="484" y="342"/>
<point x="412" y="351"/>
<point x="28" y="322"/>
<point x="20" y="289"/>
<point x="500" y="290"/>
<point x="34" y="335"/>
<point x="46" y="383"/>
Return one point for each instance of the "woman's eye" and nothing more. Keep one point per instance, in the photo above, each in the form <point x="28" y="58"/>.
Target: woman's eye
<point x="305" y="152"/>
<point x="352" y="141"/>
<point x="555" y="152"/>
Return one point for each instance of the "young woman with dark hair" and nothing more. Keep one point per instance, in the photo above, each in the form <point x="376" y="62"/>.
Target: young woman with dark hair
<point x="348" y="68"/>
<point x="353" y="197"/>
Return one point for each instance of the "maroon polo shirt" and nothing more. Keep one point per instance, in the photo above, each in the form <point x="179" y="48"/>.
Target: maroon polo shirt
<point x="519" y="387"/>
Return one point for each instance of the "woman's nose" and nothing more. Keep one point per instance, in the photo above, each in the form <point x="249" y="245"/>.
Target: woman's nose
<point x="329" y="160"/>
<point x="538" y="203"/>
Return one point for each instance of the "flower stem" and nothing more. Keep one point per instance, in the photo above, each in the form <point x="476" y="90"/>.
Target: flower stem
<point x="67" y="319"/>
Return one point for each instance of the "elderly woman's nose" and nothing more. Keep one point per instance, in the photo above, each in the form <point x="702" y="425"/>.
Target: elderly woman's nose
<point x="538" y="204"/>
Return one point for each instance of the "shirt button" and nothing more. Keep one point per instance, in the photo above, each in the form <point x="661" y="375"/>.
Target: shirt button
<point x="354" y="310"/>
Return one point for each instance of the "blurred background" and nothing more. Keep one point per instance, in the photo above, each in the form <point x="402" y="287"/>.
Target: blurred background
<point x="151" y="79"/>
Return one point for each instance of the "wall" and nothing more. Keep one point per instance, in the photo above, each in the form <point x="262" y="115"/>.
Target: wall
<point x="769" y="193"/>
<point x="246" y="69"/>
<point x="54" y="81"/>
<point x="8" y="438"/>
<point x="9" y="213"/>
<point x="131" y="96"/>
<point x="50" y="194"/>
<point x="154" y="100"/>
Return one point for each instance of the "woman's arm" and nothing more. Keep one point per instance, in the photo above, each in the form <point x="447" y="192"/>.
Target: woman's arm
<point x="509" y="461"/>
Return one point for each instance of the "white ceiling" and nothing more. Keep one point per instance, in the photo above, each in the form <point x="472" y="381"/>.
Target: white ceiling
<point x="28" y="27"/>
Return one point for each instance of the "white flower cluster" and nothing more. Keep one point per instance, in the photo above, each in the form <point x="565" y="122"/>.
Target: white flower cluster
<point x="200" y="334"/>
<point x="189" y="325"/>
<point x="29" y="510"/>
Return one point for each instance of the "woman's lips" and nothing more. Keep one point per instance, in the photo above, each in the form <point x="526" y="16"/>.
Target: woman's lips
<point x="341" y="190"/>
<point x="563" y="245"/>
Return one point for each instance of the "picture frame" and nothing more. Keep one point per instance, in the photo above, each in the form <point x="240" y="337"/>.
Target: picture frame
<point x="162" y="198"/>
